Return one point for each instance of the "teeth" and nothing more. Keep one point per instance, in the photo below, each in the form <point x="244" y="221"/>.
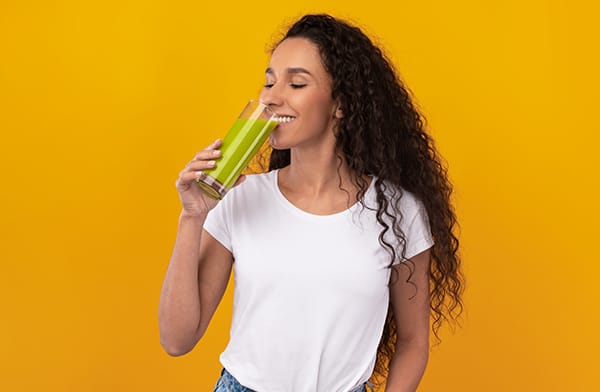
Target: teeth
<point x="284" y="119"/>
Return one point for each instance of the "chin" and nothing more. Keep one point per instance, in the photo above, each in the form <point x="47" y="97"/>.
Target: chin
<point x="279" y="147"/>
<point x="277" y="144"/>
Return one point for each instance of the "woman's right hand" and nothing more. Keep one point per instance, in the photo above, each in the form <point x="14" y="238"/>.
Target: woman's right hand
<point x="193" y="199"/>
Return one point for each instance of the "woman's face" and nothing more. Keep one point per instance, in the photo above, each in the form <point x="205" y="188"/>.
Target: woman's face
<point x="298" y="90"/>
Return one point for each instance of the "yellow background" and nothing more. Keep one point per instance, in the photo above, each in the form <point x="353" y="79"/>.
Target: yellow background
<point x="102" y="103"/>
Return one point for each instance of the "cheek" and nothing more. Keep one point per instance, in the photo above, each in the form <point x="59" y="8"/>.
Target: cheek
<point x="317" y="105"/>
<point x="320" y="114"/>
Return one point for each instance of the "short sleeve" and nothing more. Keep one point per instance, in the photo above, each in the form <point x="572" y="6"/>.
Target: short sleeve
<point x="218" y="222"/>
<point x="417" y="233"/>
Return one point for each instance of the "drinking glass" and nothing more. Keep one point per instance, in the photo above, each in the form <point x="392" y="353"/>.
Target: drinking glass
<point x="240" y="144"/>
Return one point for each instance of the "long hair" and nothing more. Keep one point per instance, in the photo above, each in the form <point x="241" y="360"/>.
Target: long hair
<point x="382" y="134"/>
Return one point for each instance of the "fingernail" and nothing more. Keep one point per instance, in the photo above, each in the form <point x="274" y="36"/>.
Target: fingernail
<point x="216" y="153"/>
<point x="211" y="163"/>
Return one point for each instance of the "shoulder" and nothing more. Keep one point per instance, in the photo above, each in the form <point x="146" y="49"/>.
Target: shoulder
<point x="410" y="204"/>
<point x="407" y="212"/>
<point x="245" y="199"/>
<point x="397" y="198"/>
<point x="255" y="182"/>
<point x="255" y="186"/>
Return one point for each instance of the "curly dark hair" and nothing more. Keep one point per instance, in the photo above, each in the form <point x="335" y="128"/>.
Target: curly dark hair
<point x="383" y="134"/>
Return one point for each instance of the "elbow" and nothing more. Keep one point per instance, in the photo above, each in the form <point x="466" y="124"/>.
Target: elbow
<point x="176" y="345"/>
<point x="177" y="339"/>
<point x="414" y="343"/>
<point x="175" y="349"/>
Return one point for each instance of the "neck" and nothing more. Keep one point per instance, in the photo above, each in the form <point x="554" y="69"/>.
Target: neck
<point x="317" y="172"/>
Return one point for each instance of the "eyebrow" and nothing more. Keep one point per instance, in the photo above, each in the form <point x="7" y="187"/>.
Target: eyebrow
<point x="293" y="70"/>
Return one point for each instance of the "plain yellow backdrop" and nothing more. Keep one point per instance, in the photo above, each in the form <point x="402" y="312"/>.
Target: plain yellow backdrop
<point x="102" y="103"/>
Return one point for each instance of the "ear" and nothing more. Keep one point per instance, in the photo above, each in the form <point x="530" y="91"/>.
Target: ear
<point x="339" y="113"/>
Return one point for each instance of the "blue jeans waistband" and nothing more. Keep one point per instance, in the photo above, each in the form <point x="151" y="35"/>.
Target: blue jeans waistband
<point x="228" y="383"/>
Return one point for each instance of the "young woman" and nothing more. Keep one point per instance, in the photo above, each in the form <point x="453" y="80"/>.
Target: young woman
<point x="342" y="252"/>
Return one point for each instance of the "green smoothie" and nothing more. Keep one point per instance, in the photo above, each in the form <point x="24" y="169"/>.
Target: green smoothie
<point x="241" y="143"/>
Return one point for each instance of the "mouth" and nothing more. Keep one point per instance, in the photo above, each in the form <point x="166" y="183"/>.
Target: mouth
<point x="283" y="119"/>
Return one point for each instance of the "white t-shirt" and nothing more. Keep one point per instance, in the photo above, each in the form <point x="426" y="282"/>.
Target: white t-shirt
<point x="311" y="291"/>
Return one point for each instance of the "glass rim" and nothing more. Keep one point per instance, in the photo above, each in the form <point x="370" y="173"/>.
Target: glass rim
<point x="263" y="105"/>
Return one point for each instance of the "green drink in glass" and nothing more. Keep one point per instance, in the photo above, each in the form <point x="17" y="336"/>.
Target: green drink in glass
<point x="240" y="144"/>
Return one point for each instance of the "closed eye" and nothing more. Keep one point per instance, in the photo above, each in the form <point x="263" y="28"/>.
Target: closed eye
<point x="292" y="85"/>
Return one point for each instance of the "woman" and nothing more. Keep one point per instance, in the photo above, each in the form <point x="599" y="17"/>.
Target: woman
<point x="343" y="250"/>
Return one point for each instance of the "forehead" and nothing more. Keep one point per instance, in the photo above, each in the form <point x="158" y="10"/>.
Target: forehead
<point x="297" y="53"/>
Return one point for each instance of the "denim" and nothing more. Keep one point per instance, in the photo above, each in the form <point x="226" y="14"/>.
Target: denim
<point x="227" y="383"/>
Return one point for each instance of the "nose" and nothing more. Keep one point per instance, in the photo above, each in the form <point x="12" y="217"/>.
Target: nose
<point x="272" y="96"/>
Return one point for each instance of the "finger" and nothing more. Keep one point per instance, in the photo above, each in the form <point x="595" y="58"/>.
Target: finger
<point x="216" y="144"/>
<point x="207" y="154"/>
<point x="185" y="179"/>
<point x="200" y="165"/>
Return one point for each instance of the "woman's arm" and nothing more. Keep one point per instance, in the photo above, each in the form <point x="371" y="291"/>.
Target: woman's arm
<point x="410" y="302"/>
<point x="199" y="268"/>
<point x="193" y="286"/>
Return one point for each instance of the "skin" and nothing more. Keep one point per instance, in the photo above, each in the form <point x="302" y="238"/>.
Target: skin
<point x="199" y="267"/>
<point x="297" y="85"/>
